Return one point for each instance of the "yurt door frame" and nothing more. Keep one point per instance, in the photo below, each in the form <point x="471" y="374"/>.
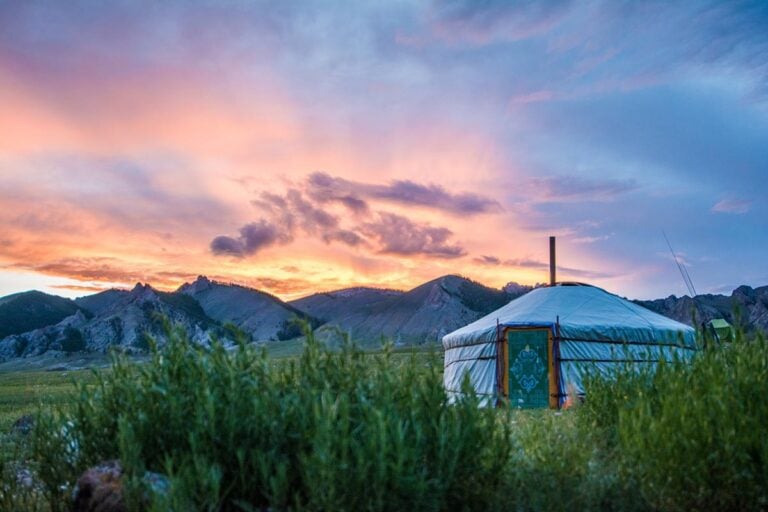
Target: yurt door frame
<point x="527" y="353"/>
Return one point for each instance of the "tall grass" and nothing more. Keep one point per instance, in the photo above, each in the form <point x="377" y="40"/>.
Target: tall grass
<point x="346" y="430"/>
<point x="697" y="439"/>
<point x="689" y="436"/>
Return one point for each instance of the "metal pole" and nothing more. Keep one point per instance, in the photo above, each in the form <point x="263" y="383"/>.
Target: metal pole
<point x="552" y="265"/>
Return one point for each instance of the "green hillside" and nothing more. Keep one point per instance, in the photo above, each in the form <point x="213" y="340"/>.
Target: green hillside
<point x="22" y="312"/>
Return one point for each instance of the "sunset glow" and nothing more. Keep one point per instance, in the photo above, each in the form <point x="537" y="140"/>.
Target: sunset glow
<point x="305" y="148"/>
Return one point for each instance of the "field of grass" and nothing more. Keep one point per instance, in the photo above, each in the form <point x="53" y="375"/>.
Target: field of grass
<point x="347" y="430"/>
<point x="28" y="384"/>
<point x="22" y="392"/>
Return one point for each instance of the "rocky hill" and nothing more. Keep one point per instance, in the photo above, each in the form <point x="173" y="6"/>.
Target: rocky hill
<point x="261" y="315"/>
<point x="423" y="314"/>
<point x="746" y="307"/>
<point x="123" y="319"/>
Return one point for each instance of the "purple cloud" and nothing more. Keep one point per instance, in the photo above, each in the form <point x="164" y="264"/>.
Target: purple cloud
<point x="575" y="188"/>
<point x="487" y="260"/>
<point x="398" y="235"/>
<point x="323" y="187"/>
<point x="253" y="238"/>
<point x="345" y="236"/>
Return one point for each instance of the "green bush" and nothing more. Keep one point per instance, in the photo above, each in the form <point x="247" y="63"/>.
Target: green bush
<point x="695" y="438"/>
<point x="73" y="340"/>
<point x="327" y="431"/>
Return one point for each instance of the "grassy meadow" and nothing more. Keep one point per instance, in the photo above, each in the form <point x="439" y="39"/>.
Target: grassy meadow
<point x="344" y="429"/>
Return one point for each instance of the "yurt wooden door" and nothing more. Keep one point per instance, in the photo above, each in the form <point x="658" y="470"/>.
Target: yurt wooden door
<point x="529" y="375"/>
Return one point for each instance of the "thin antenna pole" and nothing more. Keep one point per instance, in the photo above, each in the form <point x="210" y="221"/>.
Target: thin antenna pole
<point x="683" y="272"/>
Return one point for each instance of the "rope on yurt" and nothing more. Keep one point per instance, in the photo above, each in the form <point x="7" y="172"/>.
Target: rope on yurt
<point x="499" y="365"/>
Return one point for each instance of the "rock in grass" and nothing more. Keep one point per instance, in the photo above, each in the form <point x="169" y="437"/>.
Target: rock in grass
<point x="100" y="489"/>
<point x="156" y="483"/>
<point x="23" y="425"/>
<point x="25" y="478"/>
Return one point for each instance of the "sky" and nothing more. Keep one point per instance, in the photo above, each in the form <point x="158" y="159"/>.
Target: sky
<point x="298" y="147"/>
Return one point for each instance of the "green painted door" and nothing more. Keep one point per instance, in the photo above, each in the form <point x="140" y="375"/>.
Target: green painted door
<point x="528" y="368"/>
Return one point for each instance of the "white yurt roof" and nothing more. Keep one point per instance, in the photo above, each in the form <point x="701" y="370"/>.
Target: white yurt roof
<point x="584" y="313"/>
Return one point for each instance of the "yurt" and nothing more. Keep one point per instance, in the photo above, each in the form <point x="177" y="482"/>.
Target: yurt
<point x="533" y="352"/>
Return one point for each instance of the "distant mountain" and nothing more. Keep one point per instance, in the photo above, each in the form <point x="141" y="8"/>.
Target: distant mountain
<point x="750" y="303"/>
<point x="23" y="312"/>
<point x="100" y="302"/>
<point x="32" y="323"/>
<point x="263" y="316"/>
<point x="423" y="314"/>
<point x="122" y="319"/>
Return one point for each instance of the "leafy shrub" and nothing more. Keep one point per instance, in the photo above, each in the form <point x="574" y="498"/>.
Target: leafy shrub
<point x="327" y="431"/>
<point x="20" y="345"/>
<point x="73" y="340"/>
<point x="558" y="465"/>
<point x="695" y="438"/>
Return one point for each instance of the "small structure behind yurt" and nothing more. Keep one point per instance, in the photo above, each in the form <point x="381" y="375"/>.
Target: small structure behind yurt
<point x="721" y="330"/>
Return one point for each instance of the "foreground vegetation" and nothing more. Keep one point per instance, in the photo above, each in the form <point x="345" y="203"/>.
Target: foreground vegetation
<point x="346" y="430"/>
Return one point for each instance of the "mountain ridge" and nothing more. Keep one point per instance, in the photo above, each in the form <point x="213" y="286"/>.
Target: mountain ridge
<point x="746" y="308"/>
<point x="263" y="316"/>
<point x="423" y="314"/>
<point x="125" y="322"/>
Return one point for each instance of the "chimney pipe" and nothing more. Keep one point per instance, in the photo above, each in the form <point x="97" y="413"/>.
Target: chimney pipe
<point x="552" y="265"/>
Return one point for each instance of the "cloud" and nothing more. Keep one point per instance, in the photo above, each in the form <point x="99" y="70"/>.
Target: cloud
<point x="487" y="260"/>
<point x="540" y="265"/>
<point x="576" y="188"/>
<point x="387" y="234"/>
<point x="253" y="238"/>
<point x="345" y="236"/>
<point x="311" y="218"/>
<point x="293" y="210"/>
<point x="323" y="187"/>
<point x="492" y="21"/>
<point x="80" y="288"/>
<point x="286" y="214"/>
<point x="398" y="235"/>
<point x="737" y="206"/>
<point x="590" y="239"/>
<point x="103" y="270"/>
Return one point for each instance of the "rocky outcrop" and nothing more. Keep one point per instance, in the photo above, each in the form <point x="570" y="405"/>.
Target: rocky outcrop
<point x="746" y="307"/>
<point x="125" y="323"/>
<point x="66" y="336"/>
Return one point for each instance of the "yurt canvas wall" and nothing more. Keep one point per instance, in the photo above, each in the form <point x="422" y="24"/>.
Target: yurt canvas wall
<point x="535" y="349"/>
